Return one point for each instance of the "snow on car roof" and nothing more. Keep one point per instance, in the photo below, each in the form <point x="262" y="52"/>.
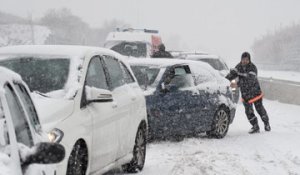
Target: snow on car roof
<point x="164" y="62"/>
<point x="130" y="36"/>
<point x="204" y="56"/>
<point x="55" y="50"/>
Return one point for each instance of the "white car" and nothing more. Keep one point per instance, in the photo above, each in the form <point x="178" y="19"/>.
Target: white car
<point x="91" y="96"/>
<point x="20" y="131"/>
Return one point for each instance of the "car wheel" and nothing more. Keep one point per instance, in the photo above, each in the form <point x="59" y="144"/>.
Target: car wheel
<point x="220" y="124"/>
<point x="139" y="152"/>
<point x="77" y="163"/>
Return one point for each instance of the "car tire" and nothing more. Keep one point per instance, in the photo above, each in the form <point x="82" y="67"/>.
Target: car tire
<point x="77" y="163"/>
<point x="220" y="124"/>
<point x="139" y="152"/>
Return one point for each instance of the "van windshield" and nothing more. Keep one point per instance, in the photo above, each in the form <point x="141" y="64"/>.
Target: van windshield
<point x="134" y="49"/>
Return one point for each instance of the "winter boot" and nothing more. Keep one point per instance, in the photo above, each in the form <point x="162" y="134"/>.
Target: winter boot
<point x="267" y="126"/>
<point x="254" y="129"/>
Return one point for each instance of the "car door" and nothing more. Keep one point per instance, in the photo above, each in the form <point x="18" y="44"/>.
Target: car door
<point x="137" y="108"/>
<point x="177" y="99"/>
<point x="23" y="131"/>
<point x="8" y="141"/>
<point x="104" y="116"/>
<point x="207" y="98"/>
<point x="123" y="103"/>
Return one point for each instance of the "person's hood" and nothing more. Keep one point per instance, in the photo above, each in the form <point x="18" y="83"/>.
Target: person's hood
<point x="51" y="111"/>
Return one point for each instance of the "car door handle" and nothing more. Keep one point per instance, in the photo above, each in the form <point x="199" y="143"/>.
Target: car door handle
<point x="114" y="105"/>
<point x="133" y="98"/>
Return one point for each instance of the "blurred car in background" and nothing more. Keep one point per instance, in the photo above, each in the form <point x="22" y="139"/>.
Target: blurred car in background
<point x="23" y="146"/>
<point x="214" y="61"/>
<point x="134" y="42"/>
<point x="184" y="97"/>
<point x="89" y="94"/>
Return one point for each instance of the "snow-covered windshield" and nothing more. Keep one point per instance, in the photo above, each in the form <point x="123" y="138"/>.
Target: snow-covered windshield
<point x="135" y="49"/>
<point x="42" y="75"/>
<point x="145" y="75"/>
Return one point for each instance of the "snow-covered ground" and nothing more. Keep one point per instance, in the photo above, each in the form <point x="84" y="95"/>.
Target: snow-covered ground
<point x="280" y="75"/>
<point x="239" y="153"/>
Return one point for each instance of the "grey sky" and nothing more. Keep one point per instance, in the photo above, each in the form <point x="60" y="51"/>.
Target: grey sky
<point x="224" y="27"/>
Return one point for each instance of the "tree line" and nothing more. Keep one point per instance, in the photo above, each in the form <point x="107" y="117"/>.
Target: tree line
<point x="280" y="49"/>
<point x="66" y="28"/>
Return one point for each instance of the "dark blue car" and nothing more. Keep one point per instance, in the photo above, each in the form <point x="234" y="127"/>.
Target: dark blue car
<point x="184" y="97"/>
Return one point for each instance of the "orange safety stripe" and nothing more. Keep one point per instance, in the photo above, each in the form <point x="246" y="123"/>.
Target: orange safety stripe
<point x="254" y="99"/>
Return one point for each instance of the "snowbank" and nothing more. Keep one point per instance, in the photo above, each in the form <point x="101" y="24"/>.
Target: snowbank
<point x="280" y="75"/>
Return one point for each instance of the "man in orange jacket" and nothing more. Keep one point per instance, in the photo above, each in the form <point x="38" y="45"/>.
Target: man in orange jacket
<point x="246" y="71"/>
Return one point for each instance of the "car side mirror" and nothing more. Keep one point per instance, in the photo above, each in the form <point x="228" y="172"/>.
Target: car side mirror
<point x="46" y="153"/>
<point x="97" y="95"/>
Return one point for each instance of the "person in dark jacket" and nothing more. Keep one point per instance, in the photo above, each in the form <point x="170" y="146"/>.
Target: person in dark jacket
<point x="246" y="72"/>
<point x="162" y="53"/>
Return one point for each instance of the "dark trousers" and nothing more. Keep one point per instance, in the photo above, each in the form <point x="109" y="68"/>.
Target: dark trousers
<point x="260" y="110"/>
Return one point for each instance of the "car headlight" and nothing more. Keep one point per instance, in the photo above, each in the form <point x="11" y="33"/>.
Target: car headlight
<point x="55" y="135"/>
<point x="233" y="85"/>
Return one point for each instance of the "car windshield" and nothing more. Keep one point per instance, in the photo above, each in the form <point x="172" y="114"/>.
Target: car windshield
<point x="145" y="75"/>
<point x="41" y="74"/>
<point x="215" y="63"/>
<point x="135" y="49"/>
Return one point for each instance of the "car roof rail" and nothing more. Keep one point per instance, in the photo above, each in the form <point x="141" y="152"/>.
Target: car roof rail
<point x="137" y="30"/>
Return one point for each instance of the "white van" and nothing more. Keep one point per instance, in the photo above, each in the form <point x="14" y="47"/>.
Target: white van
<point x="134" y="42"/>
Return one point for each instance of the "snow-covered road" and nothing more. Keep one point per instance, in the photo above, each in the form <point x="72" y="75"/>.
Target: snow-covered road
<point x="275" y="152"/>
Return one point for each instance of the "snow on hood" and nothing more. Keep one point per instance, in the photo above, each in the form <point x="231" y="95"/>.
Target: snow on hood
<point x="227" y="101"/>
<point x="52" y="111"/>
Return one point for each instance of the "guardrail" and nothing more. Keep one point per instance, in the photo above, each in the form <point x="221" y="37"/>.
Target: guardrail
<point x="281" y="90"/>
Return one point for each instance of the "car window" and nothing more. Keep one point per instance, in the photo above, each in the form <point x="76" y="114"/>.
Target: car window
<point x="115" y="72"/>
<point x="29" y="106"/>
<point x="96" y="75"/>
<point x="145" y="75"/>
<point x="127" y="75"/>
<point x="20" y="123"/>
<point x="181" y="78"/>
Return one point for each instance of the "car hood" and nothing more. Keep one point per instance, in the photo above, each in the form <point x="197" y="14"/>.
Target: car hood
<point x="51" y="111"/>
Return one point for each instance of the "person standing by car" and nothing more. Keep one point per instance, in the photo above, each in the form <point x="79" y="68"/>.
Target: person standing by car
<point x="162" y="53"/>
<point x="251" y="92"/>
